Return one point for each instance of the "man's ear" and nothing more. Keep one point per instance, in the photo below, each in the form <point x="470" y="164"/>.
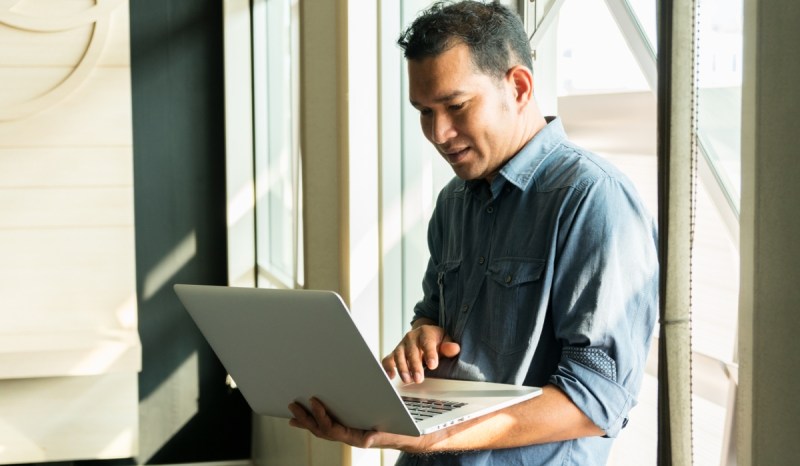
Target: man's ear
<point x="521" y="78"/>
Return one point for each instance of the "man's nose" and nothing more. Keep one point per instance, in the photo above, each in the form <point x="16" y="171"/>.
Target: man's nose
<point x="442" y="128"/>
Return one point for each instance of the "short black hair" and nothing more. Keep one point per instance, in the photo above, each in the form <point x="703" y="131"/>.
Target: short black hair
<point x="494" y="34"/>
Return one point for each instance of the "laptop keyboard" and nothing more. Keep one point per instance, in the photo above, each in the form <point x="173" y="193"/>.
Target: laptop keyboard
<point x="423" y="408"/>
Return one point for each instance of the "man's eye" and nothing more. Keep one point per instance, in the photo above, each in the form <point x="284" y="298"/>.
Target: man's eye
<point x="456" y="107"/>
<point x="425" y="111"/>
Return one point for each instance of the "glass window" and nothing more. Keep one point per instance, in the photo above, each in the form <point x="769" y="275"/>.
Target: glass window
<point x="277" y="160"/>
<point x="645" y="13"/>
<point x="586" y="34"/>
<point x="720" y="91"/>
<point x="592" y="55"/>
<point x="412" y="173"/>
<point x="715" y="259"/>
<point x="608" y="107"/>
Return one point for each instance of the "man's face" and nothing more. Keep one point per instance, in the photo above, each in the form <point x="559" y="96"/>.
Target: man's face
<point x="470" y="117"/>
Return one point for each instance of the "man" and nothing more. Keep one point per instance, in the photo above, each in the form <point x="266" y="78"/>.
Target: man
<point x="543" y="265"/>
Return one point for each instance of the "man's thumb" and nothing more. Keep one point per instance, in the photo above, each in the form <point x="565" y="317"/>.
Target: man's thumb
<point x="449" y="348"/>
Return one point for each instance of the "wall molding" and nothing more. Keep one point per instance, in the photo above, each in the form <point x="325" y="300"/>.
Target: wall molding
<point x="99" y="16"/>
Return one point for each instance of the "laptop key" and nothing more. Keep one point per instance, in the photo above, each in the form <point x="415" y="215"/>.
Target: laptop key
<point x="422" y="408"/>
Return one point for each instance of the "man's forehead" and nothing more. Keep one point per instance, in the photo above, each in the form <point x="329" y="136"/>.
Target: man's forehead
<point x="443" y="97"/>
<point x="444" y="77"/>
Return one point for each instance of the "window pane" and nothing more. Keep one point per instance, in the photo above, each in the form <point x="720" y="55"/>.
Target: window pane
<point x="720" y="90"/>
<point x="645" y="13"/>
<point x="607" y="107"/>
<point x="276" y="138"/>
<point x="715" y="259"/>
<point x="592" y="54"/>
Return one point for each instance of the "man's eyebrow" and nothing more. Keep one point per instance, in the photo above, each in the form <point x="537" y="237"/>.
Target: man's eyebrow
<point x="443" y="98"/>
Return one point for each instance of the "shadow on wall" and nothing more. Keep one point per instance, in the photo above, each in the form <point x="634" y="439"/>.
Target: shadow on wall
<point x="187" y="413"/>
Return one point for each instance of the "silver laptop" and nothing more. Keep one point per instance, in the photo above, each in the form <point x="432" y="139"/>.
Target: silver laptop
<point x="284" y="346"/>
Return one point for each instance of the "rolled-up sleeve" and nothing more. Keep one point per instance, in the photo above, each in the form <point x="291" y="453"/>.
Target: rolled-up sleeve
<point x="605" y="300"/>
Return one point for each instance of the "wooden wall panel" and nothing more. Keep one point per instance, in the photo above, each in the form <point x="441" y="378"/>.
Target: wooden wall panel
<point x="69" y="346"/>
<point x="65" y="167"/>
<point x="105" y="405"/>
<point x="21" y="47"/>
<point x="46" y="207"/>
<point x="70" y="279"/>
<point x="96" y="114"/>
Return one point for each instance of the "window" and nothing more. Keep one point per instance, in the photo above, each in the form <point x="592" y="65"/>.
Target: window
<point x="276" y="129"/>
<point x="603" y="66"/>
<point x="596" y="72"/>
<point x="262" y="143"/>
<point x="715" y="265"/>
<point x="608" y="106"/>
<point x="412" y="175"/>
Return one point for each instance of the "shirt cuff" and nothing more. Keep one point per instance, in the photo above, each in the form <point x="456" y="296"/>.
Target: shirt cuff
<point x="424" y="309"/>
<point x="603" y="401"/>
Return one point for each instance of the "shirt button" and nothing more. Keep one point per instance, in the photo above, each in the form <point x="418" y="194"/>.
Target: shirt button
<point x="481" y="260"/>
<point x="508" y="278"/>
<point x="464" y="308"/>
<point x="489" y="210"/>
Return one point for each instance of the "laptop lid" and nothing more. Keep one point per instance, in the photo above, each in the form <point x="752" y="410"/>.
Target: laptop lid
<point x="283" y="346"/>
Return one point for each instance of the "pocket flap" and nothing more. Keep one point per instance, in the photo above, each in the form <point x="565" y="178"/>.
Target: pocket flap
<point x="447" y="267"/>
<point x="516" y="271"/>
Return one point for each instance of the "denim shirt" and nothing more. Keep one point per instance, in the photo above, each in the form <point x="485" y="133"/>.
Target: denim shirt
<point x="548" y="275"/>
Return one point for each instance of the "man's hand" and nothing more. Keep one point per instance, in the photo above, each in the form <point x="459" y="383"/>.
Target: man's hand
<point x="420" y="348"/>
<point x="550" y="417"/>
<point x="323" y="426"/>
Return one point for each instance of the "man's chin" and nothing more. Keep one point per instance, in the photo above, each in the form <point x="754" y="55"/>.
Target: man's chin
<point x="466" y="175"/>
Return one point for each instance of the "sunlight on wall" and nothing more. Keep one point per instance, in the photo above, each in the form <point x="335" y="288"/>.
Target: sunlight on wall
<point x="172" y="262"/>
<point x="363" y="252"/>
<point x="118" y="350"/>
<point x="126" y="437"/>
<point x="241" y="204"/>
<point x="127" y="313"/>
<point x="392" y="225"/>
<point x="62" y="418"/>
<point x="17" y="439"/>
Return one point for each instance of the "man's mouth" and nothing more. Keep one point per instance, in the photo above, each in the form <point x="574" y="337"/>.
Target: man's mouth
<point x="455" y="156"/>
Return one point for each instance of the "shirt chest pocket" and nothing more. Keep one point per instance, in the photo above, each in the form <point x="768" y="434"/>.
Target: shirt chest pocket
<point x="514" y="294"/>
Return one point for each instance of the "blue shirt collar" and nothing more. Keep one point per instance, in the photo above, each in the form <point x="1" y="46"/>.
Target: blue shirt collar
<point x="521" y="168"/>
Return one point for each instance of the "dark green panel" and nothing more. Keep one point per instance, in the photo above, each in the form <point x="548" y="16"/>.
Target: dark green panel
<point x="187" y="414"/>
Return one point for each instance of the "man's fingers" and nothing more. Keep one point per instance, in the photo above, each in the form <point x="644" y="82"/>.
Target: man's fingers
<point x="302" y="418"/>
<point x="389" y="366"/>
<point x="429" y="342"/>
<point x="420" y="348"/>
<point x="401" y="364"/>
<point x="413" y="358"/>
<point x="431" y="359"/>
<point x="321" y="416"/>
<point x="321" y="424"/>
<point x="317" y="421"/>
